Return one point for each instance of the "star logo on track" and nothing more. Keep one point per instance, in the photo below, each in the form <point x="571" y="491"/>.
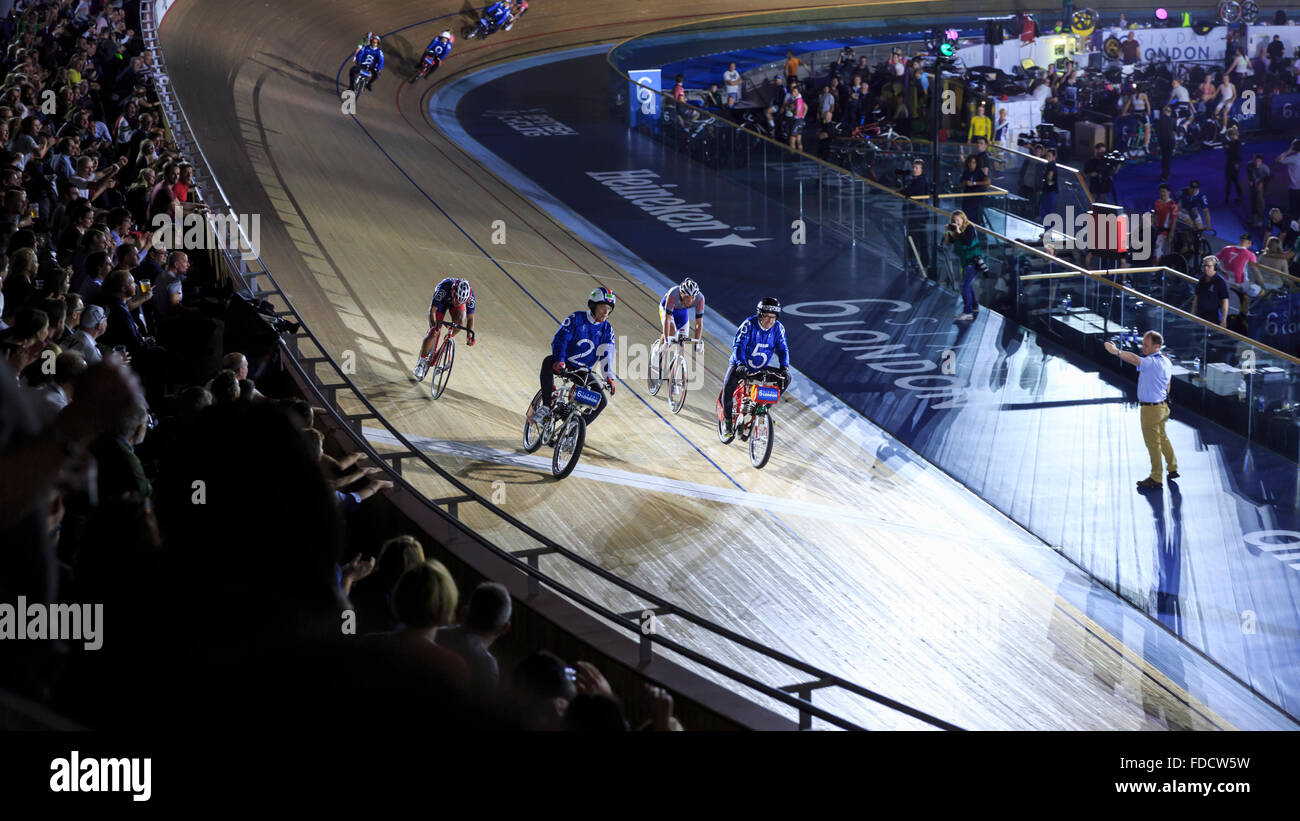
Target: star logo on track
<point x="731" y="239"/>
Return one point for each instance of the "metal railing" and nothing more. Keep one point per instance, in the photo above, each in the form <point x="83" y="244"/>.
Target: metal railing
<point x="261" y="284"/>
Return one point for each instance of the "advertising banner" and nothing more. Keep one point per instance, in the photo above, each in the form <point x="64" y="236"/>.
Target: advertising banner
<point x="643" y="103"/>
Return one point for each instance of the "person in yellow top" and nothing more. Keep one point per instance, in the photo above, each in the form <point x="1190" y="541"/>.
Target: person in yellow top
<point x="792" y="64"/>
<point x="980" y="126"/>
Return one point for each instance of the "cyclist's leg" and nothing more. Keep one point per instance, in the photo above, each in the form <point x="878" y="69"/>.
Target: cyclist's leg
<point x="547" y="379"/>
<point x="431" y="338"/>
<point x="729" y="383"/>
<point x="666" y="328"/>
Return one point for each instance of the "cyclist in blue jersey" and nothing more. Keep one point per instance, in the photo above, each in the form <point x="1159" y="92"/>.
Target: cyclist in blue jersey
<point x="494" y="18"/>
<point x="440" y="48"/>
<point x="1192" y="200"/>
<point x="454" y="296"/>
<point x="675" y="315"/>
<point x="371" y="57"/>
<point x="584" y="339"/>
<point x="759" y="340"/>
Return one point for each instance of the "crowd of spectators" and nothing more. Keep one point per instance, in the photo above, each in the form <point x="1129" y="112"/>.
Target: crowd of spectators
<point x="143" y="469"/>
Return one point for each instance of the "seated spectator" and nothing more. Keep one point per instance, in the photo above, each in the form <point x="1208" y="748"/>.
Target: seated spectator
<point x="19" y="284"/>
<point x="74" y="308"/>
<point x="372" y="596"/>
<point x="98" y="265"/>
<point x="54" y="394"/>
<point x="1272" y="264"/>
<point x="541" y="688"/>
<point x="424" y="600"/>
<point x="93" y="324"/>
<point x="487" y="618"/>
<point x="22" y="342"/>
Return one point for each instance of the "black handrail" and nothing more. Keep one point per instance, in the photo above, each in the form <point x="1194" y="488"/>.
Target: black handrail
<point x="819" y="679"/>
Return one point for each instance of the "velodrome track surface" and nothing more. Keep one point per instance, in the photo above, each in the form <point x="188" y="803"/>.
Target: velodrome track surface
<point x="886" y="573"/>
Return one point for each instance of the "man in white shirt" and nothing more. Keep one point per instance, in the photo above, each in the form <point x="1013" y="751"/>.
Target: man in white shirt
<point x="731" y="82"/>
<point x="1291" y="159"/>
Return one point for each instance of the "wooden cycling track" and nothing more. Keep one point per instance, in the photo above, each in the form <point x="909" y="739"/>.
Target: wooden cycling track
<point x="901" y="581"/>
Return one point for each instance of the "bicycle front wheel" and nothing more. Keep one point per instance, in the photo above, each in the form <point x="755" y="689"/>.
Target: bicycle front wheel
<point x="443" y="370"/>
<point x="760" y="440"/>
<point x="573" y="435"/>
<point x="677" y="383"/>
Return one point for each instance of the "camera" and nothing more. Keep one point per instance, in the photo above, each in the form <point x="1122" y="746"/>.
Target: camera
<point x="571" y="674"/>
<point x="952" y="226"/>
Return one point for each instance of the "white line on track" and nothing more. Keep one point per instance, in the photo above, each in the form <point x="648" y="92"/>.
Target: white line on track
<point x="662" y="484"/>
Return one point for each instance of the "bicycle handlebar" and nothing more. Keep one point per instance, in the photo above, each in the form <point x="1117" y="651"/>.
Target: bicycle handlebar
<point x="468" y="331"/>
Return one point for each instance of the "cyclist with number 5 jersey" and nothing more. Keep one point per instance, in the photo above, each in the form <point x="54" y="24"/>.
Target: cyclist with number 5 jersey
<point x="454" y="296"/>
<point x="759" y="340"/>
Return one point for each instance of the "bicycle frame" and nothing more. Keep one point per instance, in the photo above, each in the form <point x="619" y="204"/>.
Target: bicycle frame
<point x="437" y="351"/>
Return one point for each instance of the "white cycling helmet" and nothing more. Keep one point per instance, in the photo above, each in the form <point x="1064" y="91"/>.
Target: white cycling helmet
<point x="462" y="292"/>
<point x="688" y="288"/>
<point x="446" y="35"/>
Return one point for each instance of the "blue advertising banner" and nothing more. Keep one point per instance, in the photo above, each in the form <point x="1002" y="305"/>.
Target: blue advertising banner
<point x="1276" y="322"/>
<point x="643" y="104"/>
<point x="1284" y="111"/>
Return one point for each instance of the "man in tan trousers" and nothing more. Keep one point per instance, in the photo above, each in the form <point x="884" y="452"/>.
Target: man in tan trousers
<point x="1154" y="372"/>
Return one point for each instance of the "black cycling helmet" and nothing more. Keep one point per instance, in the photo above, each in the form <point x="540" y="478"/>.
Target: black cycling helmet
<point x="769" y="305"/>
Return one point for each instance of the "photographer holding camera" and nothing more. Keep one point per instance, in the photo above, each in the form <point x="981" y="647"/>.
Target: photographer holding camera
<point x="965" y="241"/>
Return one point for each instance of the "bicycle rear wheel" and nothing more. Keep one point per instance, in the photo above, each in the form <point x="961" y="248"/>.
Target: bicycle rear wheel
<point x="760" y="440"/>
<point x="677" y="383"/>
<point x="533" y="432"/>
<point x="568" y="447"/>
<point x="442" y="371"/>
<point x="655" y="373"/>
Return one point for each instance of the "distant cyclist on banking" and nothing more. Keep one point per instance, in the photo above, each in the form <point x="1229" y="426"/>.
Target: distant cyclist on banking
<point x="759" y="340"/>
<point x="371" y="57"/>
<point x="584" y="339"/>
<point x="494" y="18"/>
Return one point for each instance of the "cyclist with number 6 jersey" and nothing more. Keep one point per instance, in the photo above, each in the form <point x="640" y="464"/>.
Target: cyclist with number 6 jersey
<point x="759" y="340"/>
<point x="584" y="339"/>
<point x="453" y="296"/>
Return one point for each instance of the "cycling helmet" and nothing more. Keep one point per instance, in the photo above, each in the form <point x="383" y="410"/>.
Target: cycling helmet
<point x="462" y="293"/>
<point x="689" y="289"/>
<point x="374" y="39"/>
<point x="600" y="295"/>
<point x="446" y="35"/>
<point x="769" y="305"/>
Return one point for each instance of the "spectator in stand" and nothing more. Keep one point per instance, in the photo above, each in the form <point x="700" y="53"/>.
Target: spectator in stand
<point x="75" y="307"/>
<point x="22" y="342"/>
<point x="679" y="94"/>
<point x="1208" y="91"/>
<point x="541" y="689"/>
<point x="1276" y="52"/>
<point x="792" y="66"/>
<point x="731" y="82"/>
<point x="93" y="324"/>
<point x="1098" y="171"/>
<point x="1238" y="66"/>
<point x="1178" y="94"/>
<point x="1234" y="259"/>
<point x="1165" y="219"/>
<point x="980" y="125"/>
<point x="373" y="596"/>
<point x="1291" y="160"/>
<point x="1257" y="177"/>
<point x="486" y="619"/>
<point x="423" y="601"/>
<point x="1130" y="50"/>
<point x="826" y="106"/>
<point x="1002" y="130"/>
<point x="1227" y="95"/>
<point x="1194" y="206"/>
<point x="1211" y="300"/>
<point x="1166" y="136"/>
<point x="58" y="390"/>
<point x="97" y="267"/>
<point x="796" y="110"/>
<point x="1272" y="264"/>
<point x="1031" y="176"/>
<point x="1232" y="165"/>
<point x="974" y="180"/>
<point x="779" y="91"/>
<point x="1050" y="187"/>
